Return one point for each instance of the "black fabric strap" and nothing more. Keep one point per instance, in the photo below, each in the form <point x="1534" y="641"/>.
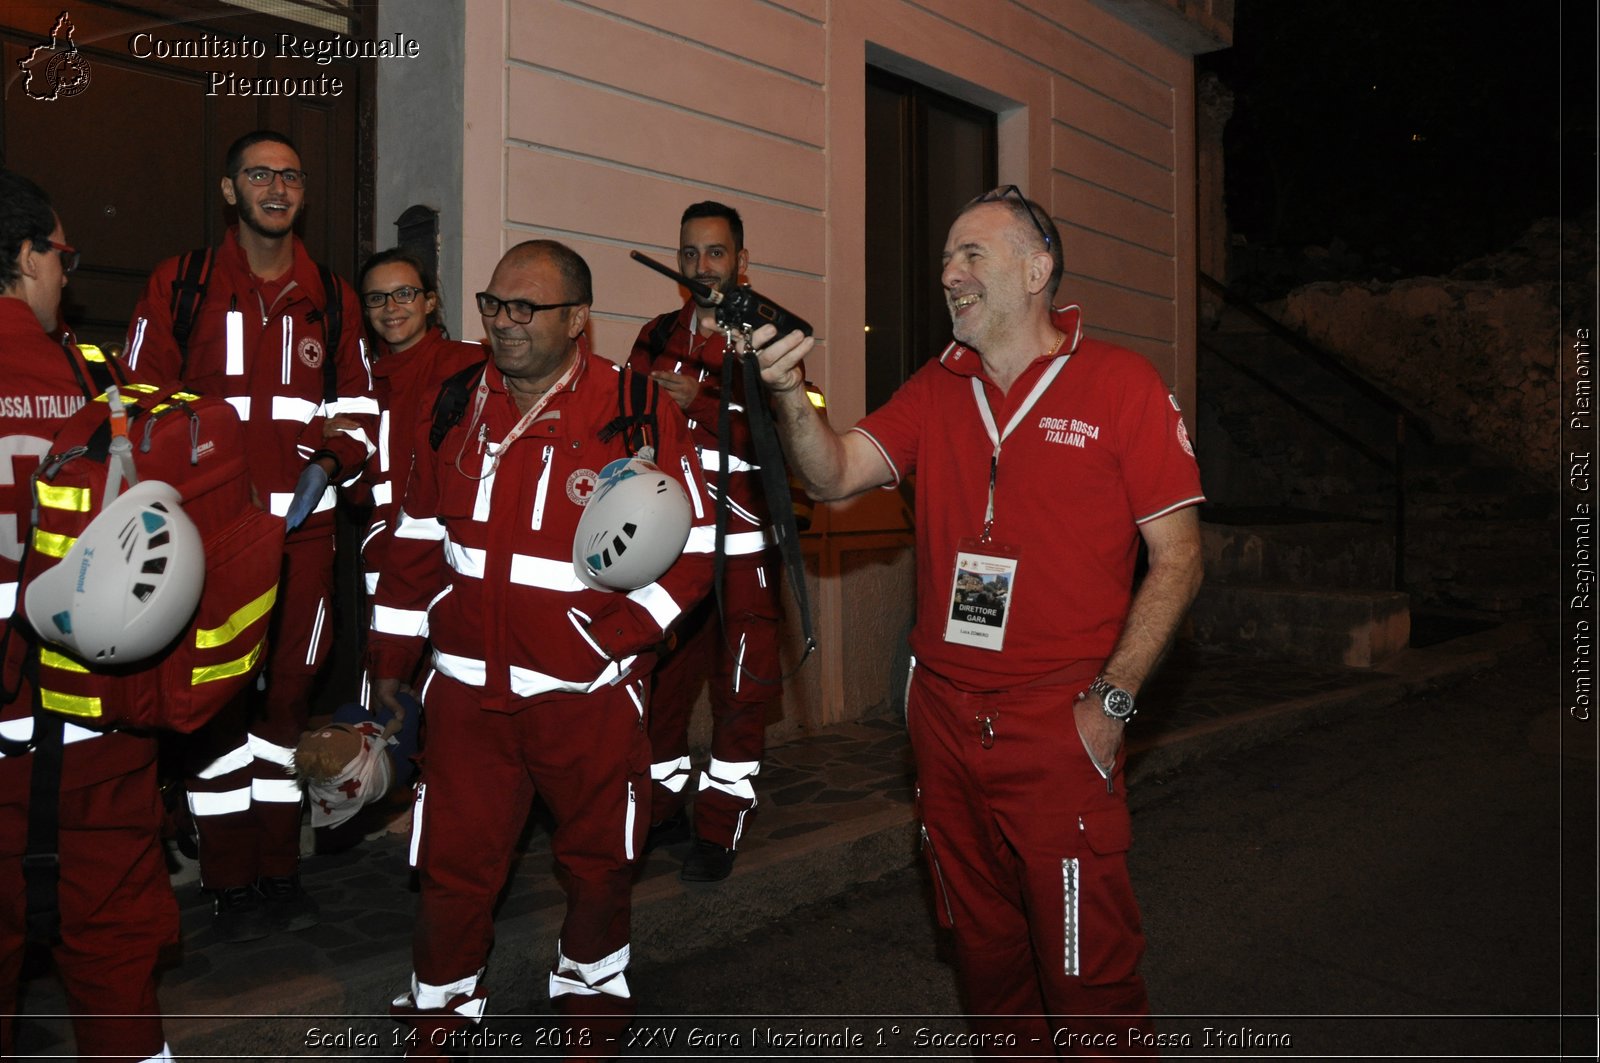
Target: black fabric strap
<point x="188" y="292"/>
<point x="41" y="863"/>
<point x="332" y="330"/>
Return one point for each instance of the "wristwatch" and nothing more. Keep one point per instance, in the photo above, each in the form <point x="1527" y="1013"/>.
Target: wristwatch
<point x="1114" y="701"/>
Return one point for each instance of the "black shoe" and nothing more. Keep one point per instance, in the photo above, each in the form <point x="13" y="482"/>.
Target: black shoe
<point x="707" y="862"/>
<point x="289" y="906"/>
<point x="670" y="831"/>
<point x="239" y="914"/>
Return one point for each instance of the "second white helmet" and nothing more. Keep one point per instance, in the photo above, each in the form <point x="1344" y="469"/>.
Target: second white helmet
<point x="129" y="585"/>
<point x="633" y="527"/>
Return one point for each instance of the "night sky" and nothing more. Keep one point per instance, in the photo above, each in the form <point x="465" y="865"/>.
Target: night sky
<point x="1408" y="135"/>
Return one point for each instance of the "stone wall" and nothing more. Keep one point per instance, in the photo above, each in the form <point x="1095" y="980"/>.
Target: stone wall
<point x="1474" y="352"/>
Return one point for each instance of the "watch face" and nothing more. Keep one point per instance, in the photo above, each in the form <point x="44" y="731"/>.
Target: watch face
<point x="1118" y="703"/>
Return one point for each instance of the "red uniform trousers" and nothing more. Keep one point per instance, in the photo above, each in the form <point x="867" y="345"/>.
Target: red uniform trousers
<point x="588" y="757"/>
<point x="1028" y="847"/>
<point x="117" y="912"/>
<point x="736" y="653"/>
<point x="245" y="803"/>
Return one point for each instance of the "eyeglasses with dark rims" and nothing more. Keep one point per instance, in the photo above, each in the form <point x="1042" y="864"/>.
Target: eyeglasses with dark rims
<point x="520" y="311"/>
<point x="261" y="176"/>
<point x="403" y="295"/>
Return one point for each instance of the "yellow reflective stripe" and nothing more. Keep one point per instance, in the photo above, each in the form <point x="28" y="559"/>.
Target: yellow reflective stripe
<point x="71" y="499"/>
<point x="52" y="545"/>
<point x="228" y="670"/>
<point x="148" y="389"/>
<point x="70" y="704"/>
<point x="49" y="658"/>
<point x="242" y="618"/>
<point x="91" y="353"/>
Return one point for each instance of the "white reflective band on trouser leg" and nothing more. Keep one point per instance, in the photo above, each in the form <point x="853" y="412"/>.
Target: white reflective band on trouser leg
<point x="276" y="791"/>
<point x="223" y="804"/>
<point x="589" y="979"/>
<point x="233" y="760"/>
<point x="731" y="778"/>
<point x="673" y="774"/>
<point x="261" y="749"/>
<point x="1069" y="922"/>
<point x="163" y="1056"/>
<point x="425" y="997"/>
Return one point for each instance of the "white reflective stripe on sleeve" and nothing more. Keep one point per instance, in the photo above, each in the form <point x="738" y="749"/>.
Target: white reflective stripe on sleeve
<point x="353" y="406"/>
<point x="711" y="461"/>
<point x="371" y="579"/>
<point x="163" y="1056"/>
<point x="366" y="359"/>
<point x="276" y="791"/>
<point x="8" y="598"/>
<point x="261" y="749"/>
<point x="22" y="731"/>
<point x="240" y="404"/>
<point x="236" y="758"/>
<point x="290" y="408"/>
<point x="472" y="673"/>
<point x="408" y="527"/>
<point x="411" y="623"/>
<point x="467" y="560"/>
<point x="1069" y="905"/>
<point x="223" y="804"/>
<point x="658" y="603"/>
<point x="704" y="541"/>
<point x="235" y="343"/>
<point x="545" y="573"/>
<point x="1194" y="500"/>
<point x="636" y="695"/>
<point x="543" y="491"/>
<point x="279" y="501"/>
<point x="383" y="493"/>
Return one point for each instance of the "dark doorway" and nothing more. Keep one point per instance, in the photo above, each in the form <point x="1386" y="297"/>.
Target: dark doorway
<point x="927" y="154"/>
<point x="132" y="156"/>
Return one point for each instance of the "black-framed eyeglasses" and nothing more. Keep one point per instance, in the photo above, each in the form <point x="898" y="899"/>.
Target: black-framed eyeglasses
<point x="1009" y="190"/>
<point x="263" y="175"/>
<point x="69" y="256"/>
<point x="403" y="295"/>
<point x="519" y="311"/>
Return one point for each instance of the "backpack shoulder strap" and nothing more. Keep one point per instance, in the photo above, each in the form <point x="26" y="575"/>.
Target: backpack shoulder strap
<point x="188" y="292"/>
<point x="637" y="398"/>
<point x="332" y="330"/>
<point x="451" y="402"/>
<point x="656" y="341"/>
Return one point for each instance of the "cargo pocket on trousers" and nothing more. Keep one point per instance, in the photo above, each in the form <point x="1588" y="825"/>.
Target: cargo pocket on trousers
<point x="1100" y="929"/>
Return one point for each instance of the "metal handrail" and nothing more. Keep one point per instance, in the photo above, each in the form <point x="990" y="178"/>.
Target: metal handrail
<point x="1403" y="415"/>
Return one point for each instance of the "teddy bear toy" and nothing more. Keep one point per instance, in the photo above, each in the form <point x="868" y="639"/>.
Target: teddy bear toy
<point x="356" y="760"/>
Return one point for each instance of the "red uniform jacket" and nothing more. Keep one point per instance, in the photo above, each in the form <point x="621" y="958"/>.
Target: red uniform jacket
<point x="483" y="567"/>
<point x="276" y="383"/>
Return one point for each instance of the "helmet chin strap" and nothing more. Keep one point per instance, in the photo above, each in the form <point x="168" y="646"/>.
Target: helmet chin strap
<point x="120" y="469"/>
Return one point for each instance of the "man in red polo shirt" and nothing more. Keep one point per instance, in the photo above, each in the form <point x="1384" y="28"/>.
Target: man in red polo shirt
<point x="1043" y="459"/>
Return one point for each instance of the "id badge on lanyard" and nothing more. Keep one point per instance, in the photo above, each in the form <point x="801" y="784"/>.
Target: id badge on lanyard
<point x="984" y="578"/>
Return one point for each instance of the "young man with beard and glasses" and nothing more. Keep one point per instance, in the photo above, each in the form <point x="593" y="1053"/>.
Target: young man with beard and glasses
<point x="536" y="679"/>
<point x="1043" y="459"/>
<point x="683" y="351"/>
<point x="115" y="900"/>
<point x="251" y="320"/>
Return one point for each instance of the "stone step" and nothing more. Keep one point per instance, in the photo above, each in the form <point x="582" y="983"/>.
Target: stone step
<point x="1330" y="628"/>
<point x="1345" y="554"/>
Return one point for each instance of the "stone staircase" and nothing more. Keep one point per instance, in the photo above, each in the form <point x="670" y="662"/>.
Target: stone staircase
<point x="1298" y="461"/>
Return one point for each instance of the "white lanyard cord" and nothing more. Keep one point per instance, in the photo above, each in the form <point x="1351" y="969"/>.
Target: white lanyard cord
<point x="497" y="449"/>
<point x="998" y="437"/>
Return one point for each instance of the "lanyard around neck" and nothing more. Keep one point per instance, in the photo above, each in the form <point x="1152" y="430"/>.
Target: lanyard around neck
<point x="998" y="437"/>
<point x="496" y="449"/>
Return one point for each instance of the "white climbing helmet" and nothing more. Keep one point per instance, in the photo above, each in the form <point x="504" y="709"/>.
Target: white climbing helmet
<point x="129" y="584"/>
<point x="633" y="527"/>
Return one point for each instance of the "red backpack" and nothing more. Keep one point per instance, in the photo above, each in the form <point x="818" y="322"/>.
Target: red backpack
<point x="196" y="444"/>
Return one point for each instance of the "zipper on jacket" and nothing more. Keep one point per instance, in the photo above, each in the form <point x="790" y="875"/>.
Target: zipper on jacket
<point x="544" y="488"/>
<point x="627" y="829"/>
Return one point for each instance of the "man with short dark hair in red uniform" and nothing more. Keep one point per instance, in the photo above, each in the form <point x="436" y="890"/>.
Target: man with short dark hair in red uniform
<point x="116" y="905"/>
<point x="536" y="684"/>
<point x="260" y="338"/>
<point x="1042" y="459"/>
<point x="738" y="650"/>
